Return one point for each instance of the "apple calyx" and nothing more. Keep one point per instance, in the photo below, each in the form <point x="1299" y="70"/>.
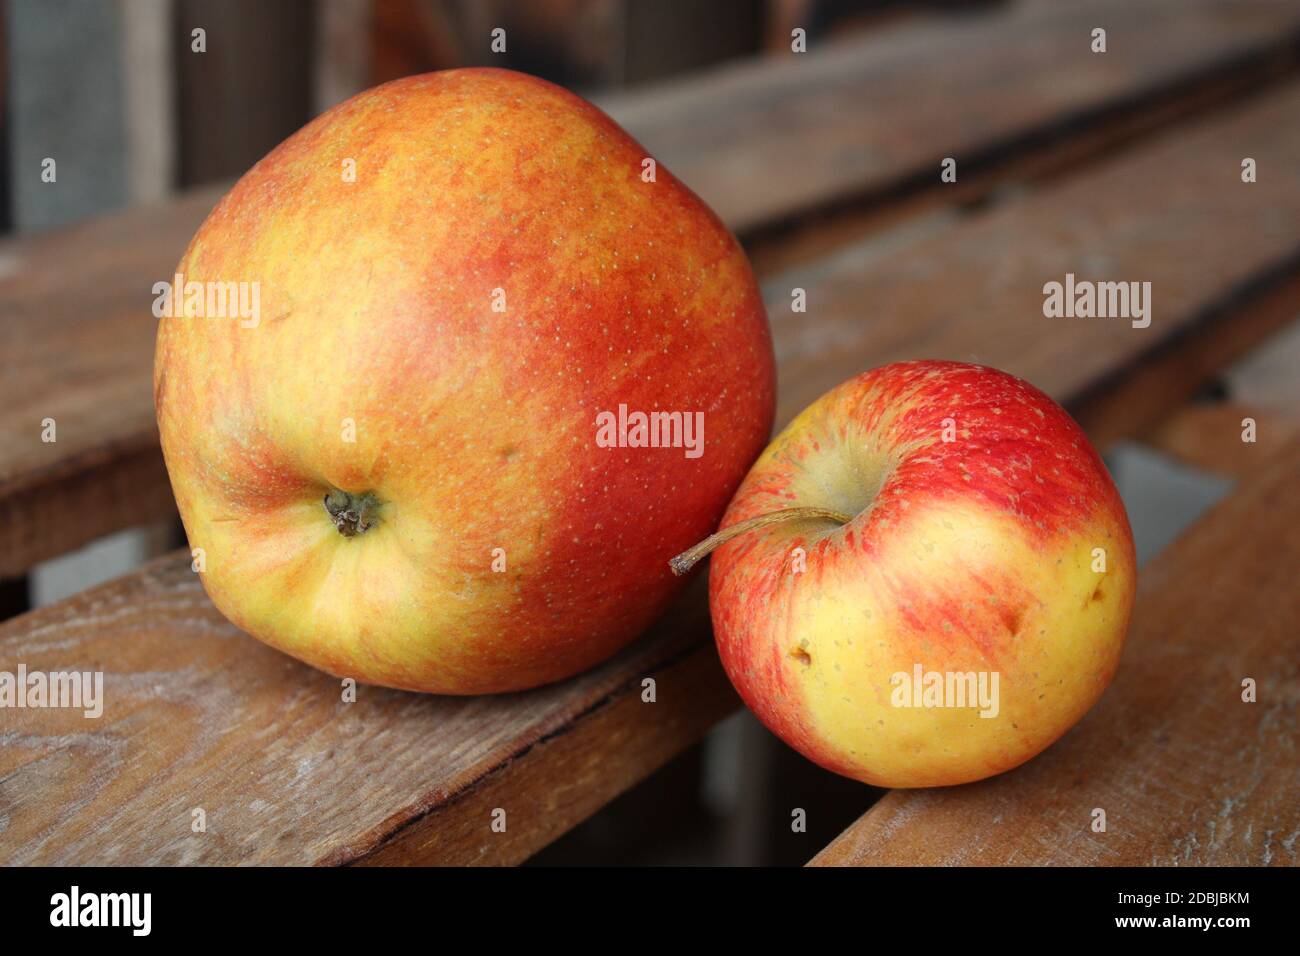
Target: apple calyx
<point x="352" y="514"/>
<point x="691" y="557"/>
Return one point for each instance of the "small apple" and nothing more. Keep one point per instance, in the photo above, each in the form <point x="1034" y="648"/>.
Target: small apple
<point x="390" y="357"/>
<point x="925" y="579"/>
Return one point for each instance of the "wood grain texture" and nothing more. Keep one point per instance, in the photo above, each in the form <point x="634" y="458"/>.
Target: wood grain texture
<point x="76" y="337"/>
<point x="570" y="774"/>
<point x="1222" y="257"/>
<point x="1187" y="773"/>
<point x="197" y="715"/>
<point x="767" y="141"/>
<point x="867" y="119"/>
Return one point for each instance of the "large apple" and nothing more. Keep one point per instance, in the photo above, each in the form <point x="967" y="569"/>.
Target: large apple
<point x="395" y="470"/>
<point x="925" y="579"/>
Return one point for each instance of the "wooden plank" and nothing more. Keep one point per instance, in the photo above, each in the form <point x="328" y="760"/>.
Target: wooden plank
<point x="212" y="700"/>
<point x="1263" y="388"/>
<point x="570" y="774"/>
<point x="197" y="715"/>
<point x="1186" y="772"/>
<point x="1208" y="435"/>
<point x="865" y="117"/>
<point x="1174" y="214"/>
<point x="77" y="334"/>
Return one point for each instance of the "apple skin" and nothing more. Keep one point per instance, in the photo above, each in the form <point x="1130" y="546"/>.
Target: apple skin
<point x="474" y="428"/>
<point x="969" y="555"/>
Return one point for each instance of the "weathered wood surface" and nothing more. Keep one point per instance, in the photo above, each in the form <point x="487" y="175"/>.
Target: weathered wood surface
<point x="868" y="120"/>
<point x="768" y="141"/>
<point x="76" y="342"/>
<point x="1186" y="772"/>
<point x="198" y="715"/>
<point x="1263" y="388"/>
<point x="1222" y="258"/>
<point x="201" y="716"/>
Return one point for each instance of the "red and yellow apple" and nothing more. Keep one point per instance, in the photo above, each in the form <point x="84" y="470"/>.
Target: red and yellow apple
<point x="925" y="518"/>
<point x="392" y="469"/>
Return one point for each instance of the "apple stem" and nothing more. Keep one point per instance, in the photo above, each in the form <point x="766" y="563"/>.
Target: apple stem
<point x="691" y="557"/>
<point x="352" y="514"/>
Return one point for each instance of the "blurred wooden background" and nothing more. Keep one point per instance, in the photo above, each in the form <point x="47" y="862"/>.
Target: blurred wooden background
<point x="114" y="78"/>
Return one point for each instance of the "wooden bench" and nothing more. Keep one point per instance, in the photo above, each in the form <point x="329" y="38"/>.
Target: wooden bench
<point x="828" y="167"/>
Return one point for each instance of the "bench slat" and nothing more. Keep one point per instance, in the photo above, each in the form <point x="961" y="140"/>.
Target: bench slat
<point x="198" y="715"/>
<point x="77" y="336"/>
<point x="1222" y="257"/>
<point x="1186" y="773"/>
<point x="1262" y="387"/>
<point x="868" y="116"/>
